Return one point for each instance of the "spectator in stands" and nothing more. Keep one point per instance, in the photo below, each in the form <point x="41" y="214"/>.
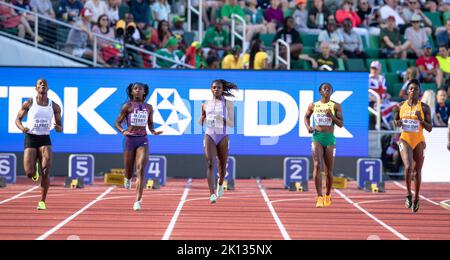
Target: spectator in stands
<point x="217" y="40"/>
<point x="442" y="38"/>
<point x="291" y="36"/>
<point x="80" y="37"/>
<point x="141" y="13"/>
<point x="43" y="7"/>
<point x="256" y="16"/>
<point x="391" y="41"/>
<point x="194" y="56"/>
<point x="213" y="62"/>
<point x="317" y="15"/>
<point x="213" y="6"/>
<point x="68" y="10"/>
<point x="429" y="98"/>
<point x="12" y="20"/>
<point x="161" y="10"/>
<point x="390" y="10"/>
<point x="178" y="31"/>
<point x="98" y="7"/>
<point x="429" y="67"/>
<point x="24" y="4"/>
<point x="413" y="8"/>
<point x="274" y="14"/>
<point x="257" y="58"/>
<point x="171" y="52"/>
<point x="444" y="64"/>
<point x="417" y="36"/>
<point x="377" y="82"/>
<point x="160" y="36"/>
<point x="442" y="109"/>
<point x="353" y="47"/>
<point x="333" y="38"/>
<point x="233" y="61"/>
<point x="324" y="60"/>
<point x="106" y="47"/>
<point x="411" y="73"/>
<point x="263" y="4"/>
<point x="301" y="18"/>
<point x="112" y="10"/>
<point x="370" y="17"/>
<point x="138" y="36"/>
<point x="346" y="12"/>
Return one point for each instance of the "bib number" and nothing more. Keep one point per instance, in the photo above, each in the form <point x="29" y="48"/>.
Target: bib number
<point x="323" y="120"/>
<point x="139" y="119"/>
<point x="41" y="125"/>
<point x="411" y="125"/>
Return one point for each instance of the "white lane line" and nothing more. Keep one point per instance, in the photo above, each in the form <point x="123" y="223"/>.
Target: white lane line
<point x="272" y="210"/>
<point x="67" y="220"/>
<point x="18" y="195"/>
<point x="175" y="216"/>
<point x="395" y="232"/>
<point x="421" y="196"/>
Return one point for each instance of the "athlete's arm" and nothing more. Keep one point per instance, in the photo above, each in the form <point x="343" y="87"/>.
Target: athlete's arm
<point x="22" y="113"/>
<point x="427" y="121"/>
<point x="338" y="119"/>
<point x="307" y="118"/>
<point x="230" y="113"/>
<point x="151" y="126"/>
<point x="122" y="116"/>
<point x="203" y="116"/>
<point x="396" y="112"/>
<point x="57" y="114"/>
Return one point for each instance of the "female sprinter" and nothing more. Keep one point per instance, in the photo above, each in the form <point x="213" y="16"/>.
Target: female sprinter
<point x="413" y="116"/>
<point x="218" y="113"/>
<point x="138" y="115"/>
<point x="327" y="114"/>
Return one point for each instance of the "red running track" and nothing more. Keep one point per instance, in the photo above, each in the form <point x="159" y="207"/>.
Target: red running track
<point x="260" y="210"/>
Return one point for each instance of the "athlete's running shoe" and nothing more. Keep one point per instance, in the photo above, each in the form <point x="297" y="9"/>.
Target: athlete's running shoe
<point x="219" y="190"/>
<point x="41" y="206"/>
<point x="213" y="198"/>
<point x="408" y="202"/>
<point x="327" y="202"/>
<point x="137" y="206"/>
<point x="415" y="206"/>
<point x="319" y="203"/>
<point x="127" y="184"/>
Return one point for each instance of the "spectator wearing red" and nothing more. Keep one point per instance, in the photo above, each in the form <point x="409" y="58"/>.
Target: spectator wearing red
<point x="160" y="36"/>
<point x="9" y="19"/>
<point x="429" y="67"/>
<point x="346" y="12"/>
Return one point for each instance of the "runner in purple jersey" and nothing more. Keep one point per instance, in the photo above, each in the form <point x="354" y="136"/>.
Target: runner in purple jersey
<point x="138" y="115"/>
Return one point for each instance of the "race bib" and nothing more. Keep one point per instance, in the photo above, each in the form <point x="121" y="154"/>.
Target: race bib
<point x="212" y="122"/>
<point x="139" y="119"/>
<point x="41" y="125"/>
<point x="411" y="125"/>
<point x="322" y="120"/>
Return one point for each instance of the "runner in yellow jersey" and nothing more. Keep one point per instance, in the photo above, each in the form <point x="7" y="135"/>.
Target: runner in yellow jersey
<point x="413" y="116"/>
<point x="327" y="114"/>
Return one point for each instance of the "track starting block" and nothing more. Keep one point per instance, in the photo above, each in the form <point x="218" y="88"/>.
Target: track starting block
<point x="374" y="186"/>
<point x="228" y="185"/>
<point x="298" y="186"/>
<point x="74" y="183"/>
<point x="153" y="184"/>
<point x="114" y="179"/>
<point x="339" y="183"/>
<point x="3" y="182"/>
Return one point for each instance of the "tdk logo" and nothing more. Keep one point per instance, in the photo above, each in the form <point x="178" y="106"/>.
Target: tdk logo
<point x="176" y="115"/>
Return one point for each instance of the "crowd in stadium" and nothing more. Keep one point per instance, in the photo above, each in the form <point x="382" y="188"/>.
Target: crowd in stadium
<point x="395" y="40"/>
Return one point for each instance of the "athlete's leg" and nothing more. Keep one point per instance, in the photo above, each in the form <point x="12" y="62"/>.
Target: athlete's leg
<point x="45" y="158"/>
<point x="29" y="161"/>
<point x="407" y="157"/>
<point x="317" y="157"/>
<point x="141" y="162"/>
<point x="222" y="155"/>
<point x="128" y="160"/>
<point x="210" y="155"/>
<point x="419" y="157"/>
<point x="329" y="163"/>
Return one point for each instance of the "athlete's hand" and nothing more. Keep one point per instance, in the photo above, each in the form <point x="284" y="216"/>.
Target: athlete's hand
<point x="125" y="133"/>
<point x="419" y="116"/>
<point x="310" y="129"/>
<point x="58" y="128"/>
<point x="25" y="130"/>
<point x="157" y="132"/>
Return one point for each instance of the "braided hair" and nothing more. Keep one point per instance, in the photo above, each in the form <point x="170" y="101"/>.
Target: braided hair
<point x="130" y="90"/>
<point x="227" y="87"/>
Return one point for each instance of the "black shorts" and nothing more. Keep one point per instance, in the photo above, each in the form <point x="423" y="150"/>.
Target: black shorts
<point x="36" y="141"/>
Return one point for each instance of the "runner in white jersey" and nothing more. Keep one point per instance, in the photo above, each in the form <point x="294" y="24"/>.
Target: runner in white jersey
<point x="38" y="147"/>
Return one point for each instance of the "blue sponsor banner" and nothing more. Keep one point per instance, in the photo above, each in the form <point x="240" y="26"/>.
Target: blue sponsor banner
<point x="269" y="108"/>
<point x="82" y="166"/>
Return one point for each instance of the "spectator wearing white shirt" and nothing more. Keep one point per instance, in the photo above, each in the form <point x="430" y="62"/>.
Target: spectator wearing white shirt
<point x="161" y="10"/>
<point x="353" y="47"/>
<point x="390" y="9"/>
<point x="417" y="36"/>
<point x="97" y="7"/>
<point x="333" y="38"/>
